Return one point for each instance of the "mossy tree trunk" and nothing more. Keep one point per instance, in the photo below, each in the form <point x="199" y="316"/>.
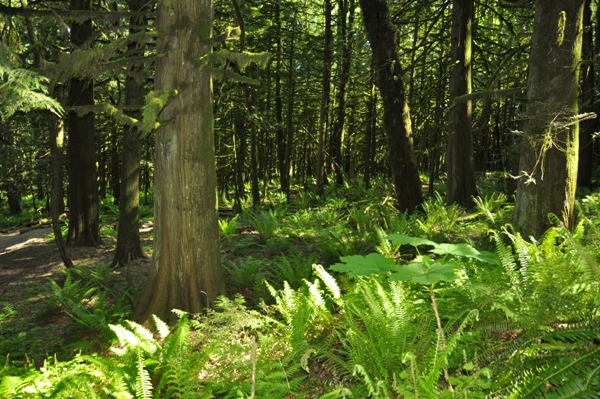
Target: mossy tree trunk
<point x="550" y="142"/>
<point x="587" y="128"/>
<point x="84" y="221"/>
<point x="461" y="185"/>
<point x="57" y="146"/>
<point x="396" y="115"/>
<point x="128" y="236"/>
<point x="186" y="269"/>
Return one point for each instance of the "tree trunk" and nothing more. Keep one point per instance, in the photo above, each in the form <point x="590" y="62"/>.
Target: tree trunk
<point x="281" y="145"/>
<point x="129" y="246"/>
<point x="396" y="115"/>
<point x="461" y="185"/>
<point x="248" y="111"/>
<point x="186" y="269"/>
<point x="13" y="194"/>
<point x="369" y="154"/>
<point x="550" y="145"/>
<point x="56" y="142"/>
<point x="289" y="126"/>
<point x="346" y="31"/>
<point x="325" y="97"/>
<point x="587" y="127"/>
<point x="84" y="222"/>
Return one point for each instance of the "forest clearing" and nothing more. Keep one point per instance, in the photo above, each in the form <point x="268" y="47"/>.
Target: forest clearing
<point x="299" y="199"/>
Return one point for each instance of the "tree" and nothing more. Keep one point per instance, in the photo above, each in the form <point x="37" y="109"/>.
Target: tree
<point x="588" y="90"/>
<point x="549" y="147"/>
<point x="128" y="235"/>
<point x="325" y="98"/>
<point x="396" y="115"/>
<point x="346" y="32"/>
<point x="84" y="216"/>
<point x="461" y="185"/>
<point x="186" y="269"/>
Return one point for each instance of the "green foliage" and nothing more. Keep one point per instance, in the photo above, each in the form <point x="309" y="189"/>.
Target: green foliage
<point x="440" y="220"/>
<point x="86" y="297"/>
<point x="155" y="102"/>
<point x="22" y="89"/>
<point x="228" y="228"/>
<point x="490" y="205"/>
<point x="423" y="270"/>
<point x="266" y="223"/>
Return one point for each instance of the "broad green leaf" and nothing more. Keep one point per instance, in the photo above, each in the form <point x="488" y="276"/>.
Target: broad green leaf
<point x="407" y="240"/>
<point x="358" y="265"/>
<point x="465" y="250"/>
<point x="427" y="273"/>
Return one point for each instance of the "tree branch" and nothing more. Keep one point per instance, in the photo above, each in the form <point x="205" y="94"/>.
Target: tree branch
<point x="75" y="15"/>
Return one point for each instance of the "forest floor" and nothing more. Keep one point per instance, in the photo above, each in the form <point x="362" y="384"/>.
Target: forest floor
<point x="28" y="323"/>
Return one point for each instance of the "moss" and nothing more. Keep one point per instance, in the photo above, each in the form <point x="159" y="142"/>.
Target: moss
<point x="243" y="59"/>
<point x="562" y="23"/>
<point x="155" y="102"/>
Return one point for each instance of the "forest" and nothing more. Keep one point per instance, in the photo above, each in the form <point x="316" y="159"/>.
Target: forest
<point x="299" y="199"/>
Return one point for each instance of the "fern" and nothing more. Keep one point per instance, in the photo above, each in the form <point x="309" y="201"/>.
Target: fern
<point x="385" y="247"/>
<point x="569" y="377"/>
<point x="143" y="385"/>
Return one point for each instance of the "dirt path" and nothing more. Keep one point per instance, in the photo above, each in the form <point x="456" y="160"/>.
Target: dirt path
<point x="27" y="261"/>
<point x="24" y="259"/>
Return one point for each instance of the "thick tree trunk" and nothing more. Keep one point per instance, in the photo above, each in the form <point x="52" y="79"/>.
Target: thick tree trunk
<point x="461" y="185"/>
<point x="186" y="269"/>
<point x="396" y="115"/>
<point x="325" y="97"/>
<point x="587" y="127"/>
<point x="84" y="222"/>
<point x="550" y="145"/>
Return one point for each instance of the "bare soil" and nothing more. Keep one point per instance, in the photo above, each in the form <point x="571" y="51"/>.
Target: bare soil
<point x="28" y="324"/>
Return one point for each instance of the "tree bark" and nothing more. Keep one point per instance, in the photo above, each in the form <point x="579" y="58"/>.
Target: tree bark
<point x="84" y="221"/>
<point x="186" y="269"/>
<point x="289" y="122"/>
<point x="129" y="245"/>
<point x="346" y="31"/>
<point x="461" y="184"/>
<point x="248" y="111"/>
<point x="396" y="115"/>
<point x="56" y="142"/>
<point x="325" y="97"/>
<point x="550" y="145"/>
<point x="280" y="133"/>
<point x="587" y="127"/>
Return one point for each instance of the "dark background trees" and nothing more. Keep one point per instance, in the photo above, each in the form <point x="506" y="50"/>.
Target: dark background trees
<point x="331" y="105"/>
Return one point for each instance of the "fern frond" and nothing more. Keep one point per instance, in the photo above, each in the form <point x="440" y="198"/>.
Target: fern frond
<point x="143" y="384"/>
<point x="567" y="378"/>
<point x="13" y="386"/>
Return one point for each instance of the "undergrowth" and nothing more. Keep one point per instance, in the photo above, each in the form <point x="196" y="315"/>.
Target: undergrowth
<point x="341" y="296"/>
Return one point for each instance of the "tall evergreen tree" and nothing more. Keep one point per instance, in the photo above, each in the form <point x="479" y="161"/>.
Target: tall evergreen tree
<point x="550" y="145"/>
<point x="83" y="201"/>
<point x="461" y="185"/>
<point x="396" y="114"/>
<point x="128" y="235"/>
<point x="186" y="269"/>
